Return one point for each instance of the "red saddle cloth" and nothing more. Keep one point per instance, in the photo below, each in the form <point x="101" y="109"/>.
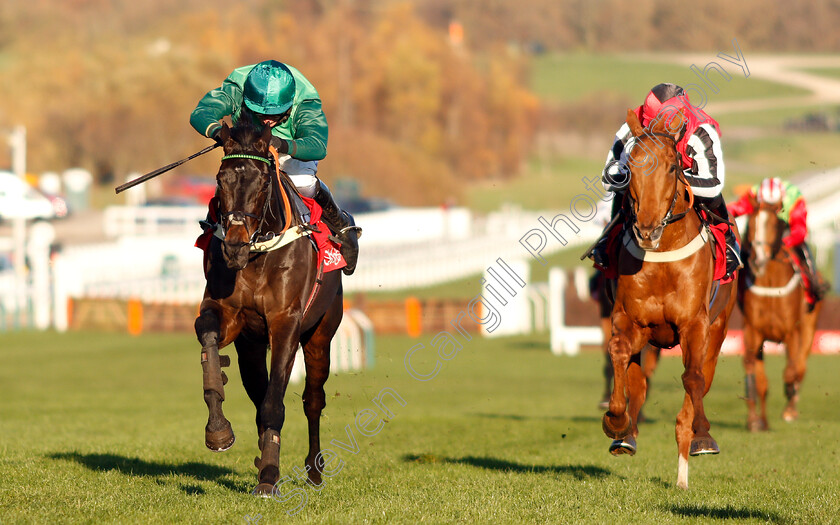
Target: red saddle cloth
<point x="719" y="233"/>
<point x="329" y="253"/>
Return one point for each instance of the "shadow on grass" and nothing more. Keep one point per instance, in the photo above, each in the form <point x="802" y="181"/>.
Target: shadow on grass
<point x="724" y="513"/>
<point x="580" y="472"/>
<point x="517" y="417"/>
<point x="156" y="470"/>
<point x="574" y="419"/>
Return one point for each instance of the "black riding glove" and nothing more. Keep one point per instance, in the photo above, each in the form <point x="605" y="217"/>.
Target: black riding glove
<point x="281" y="145"/>
<point x="217" y="136"/>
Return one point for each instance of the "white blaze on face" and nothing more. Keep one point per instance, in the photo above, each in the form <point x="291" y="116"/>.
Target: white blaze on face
<point x="763" y="243"/>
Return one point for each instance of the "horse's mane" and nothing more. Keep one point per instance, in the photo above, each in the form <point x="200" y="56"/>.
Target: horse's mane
<point x="245" y="133"/>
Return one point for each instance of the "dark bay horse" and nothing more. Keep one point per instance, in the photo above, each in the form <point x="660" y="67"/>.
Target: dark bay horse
<point x="775" y="309"/>
<point x="663" y="294"/>
<point x="259" y="298"/>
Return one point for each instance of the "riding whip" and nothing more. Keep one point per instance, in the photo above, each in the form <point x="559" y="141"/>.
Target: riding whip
<point x="143" y="178"/>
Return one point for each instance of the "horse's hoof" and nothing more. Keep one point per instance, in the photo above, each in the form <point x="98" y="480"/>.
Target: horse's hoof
<point x="608" y="424"/>
<point x="604" y="403"/>
<point x="757" y="425"/>
<point x="790" y="415"/>
<point x="314" y="477"/>
<point x="263" y="490"/>
<point x="702" y="446"/>
<point x="220" y="440"/>
<point x="623" y="446"/>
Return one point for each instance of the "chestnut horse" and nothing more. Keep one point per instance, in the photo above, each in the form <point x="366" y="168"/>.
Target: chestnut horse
<point x="259" y="297"/>
<point x="665" y="294"/>
<point x="775" y="309"/>
<point x="599" y="289"/>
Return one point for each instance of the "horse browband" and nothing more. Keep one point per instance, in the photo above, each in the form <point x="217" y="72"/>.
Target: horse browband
<point x="243" y="156"/>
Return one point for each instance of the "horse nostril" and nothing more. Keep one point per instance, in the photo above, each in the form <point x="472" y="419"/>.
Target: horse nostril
<point x="638" y="231"/>
<point x="656" y="233"/>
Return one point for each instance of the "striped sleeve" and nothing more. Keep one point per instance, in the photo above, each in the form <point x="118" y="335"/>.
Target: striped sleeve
<point x="707" y="173"/>
<point x="616" y="152"/>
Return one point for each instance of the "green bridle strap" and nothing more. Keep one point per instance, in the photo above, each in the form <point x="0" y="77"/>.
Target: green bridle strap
<point x="242" y="156"/>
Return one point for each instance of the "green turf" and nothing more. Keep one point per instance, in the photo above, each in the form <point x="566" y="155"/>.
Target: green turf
<point x="779" y="155"/>
<point x="545" y="184"/>
<point x="571" y="77"/>
<point x="105" y="428"/>
<point x="831" y="72"/>
<point x="773" y="119"/>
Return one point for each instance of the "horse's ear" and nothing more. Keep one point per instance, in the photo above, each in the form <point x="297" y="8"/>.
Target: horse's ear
<point x="224" y="133"/>
<point x="633" y="121"/>
<point x="674" y="124"/>
<point x="753" y="200"/>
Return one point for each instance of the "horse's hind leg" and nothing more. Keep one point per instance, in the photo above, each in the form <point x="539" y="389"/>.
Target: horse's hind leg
<point x="284" y="337"/>
<point x="316" y="353"/>
<point x="807" y="330"/>
<point x="650" y="360"/>
<point x="755" y="380"/>
<point x="684" y="435"/>
<point x="218" y="434"/>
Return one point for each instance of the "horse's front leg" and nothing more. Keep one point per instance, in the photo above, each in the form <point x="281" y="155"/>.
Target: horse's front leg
<point x="284" y="337"/>
<point x="755" y="379"/>
<point x="218" y="434"/>
<point x="793" y="374"/>
<point x="617" y="424"/>
<point x="694" y="338"/>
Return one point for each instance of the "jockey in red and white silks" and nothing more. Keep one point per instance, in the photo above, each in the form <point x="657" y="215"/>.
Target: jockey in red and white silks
<point x="793" y="211"/>
<point x="701" y="156"/>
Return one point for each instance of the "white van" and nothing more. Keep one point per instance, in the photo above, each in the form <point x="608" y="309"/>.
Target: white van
<point x="19" y="199"/>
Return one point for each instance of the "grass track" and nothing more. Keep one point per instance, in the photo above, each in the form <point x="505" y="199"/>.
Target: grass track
<point x="104" y="428"/>
<point x="570" y="77"/>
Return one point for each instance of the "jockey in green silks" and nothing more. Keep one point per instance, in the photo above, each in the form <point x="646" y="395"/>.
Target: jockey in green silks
<point x="278" y="95"/>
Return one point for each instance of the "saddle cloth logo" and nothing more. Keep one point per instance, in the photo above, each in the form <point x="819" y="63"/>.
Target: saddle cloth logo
<point x="332" y="259"/>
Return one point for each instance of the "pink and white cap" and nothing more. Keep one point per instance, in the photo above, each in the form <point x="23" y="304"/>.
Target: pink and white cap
<point x="770" y="191"/>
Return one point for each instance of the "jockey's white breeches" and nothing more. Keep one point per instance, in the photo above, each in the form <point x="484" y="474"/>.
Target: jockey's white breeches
<point x="302" y="173"/>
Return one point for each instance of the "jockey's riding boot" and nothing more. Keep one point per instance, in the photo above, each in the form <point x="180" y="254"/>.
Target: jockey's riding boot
<point x="733" y="249"/>
<point x="600" y="253"/>
<point x="817" y="287"/>
<point x="341" y="224"/>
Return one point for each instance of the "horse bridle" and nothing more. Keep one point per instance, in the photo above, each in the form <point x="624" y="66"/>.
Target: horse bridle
<point x="669" y="217"/>
<point x="238" y="217"/>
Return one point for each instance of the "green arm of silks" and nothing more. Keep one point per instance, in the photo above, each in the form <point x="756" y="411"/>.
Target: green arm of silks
<point x="214" y="106"/>
<point x="310" y="132"/>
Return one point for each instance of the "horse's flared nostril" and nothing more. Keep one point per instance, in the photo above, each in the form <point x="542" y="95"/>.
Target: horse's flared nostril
<point x="656" y="234"/>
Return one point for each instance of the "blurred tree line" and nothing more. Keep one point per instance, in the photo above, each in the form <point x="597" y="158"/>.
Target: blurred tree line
<point x="644" y="25"/>
<point x="109" y="84"/>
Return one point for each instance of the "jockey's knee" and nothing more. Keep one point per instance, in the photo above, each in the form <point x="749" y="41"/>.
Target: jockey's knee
<point x="305" y="184"/>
